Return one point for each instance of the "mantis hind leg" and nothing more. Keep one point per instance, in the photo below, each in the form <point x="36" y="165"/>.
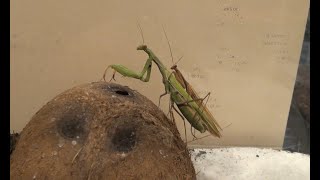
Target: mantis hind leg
<point x="165" y="93"/>
<point x="185" y="130"/>
<point x="193" y="133"/>
<point x="171" y="106"/>
<point x="185" y="103"/>
<point x="201" y="99"/>
<point x="184" y="122"/>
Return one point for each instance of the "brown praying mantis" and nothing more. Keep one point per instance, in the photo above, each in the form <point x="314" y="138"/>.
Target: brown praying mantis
<point x="190" y="105"/>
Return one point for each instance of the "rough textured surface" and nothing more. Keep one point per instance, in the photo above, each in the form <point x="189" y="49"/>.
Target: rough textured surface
<point x="100" y="131"/>
<point x="14" y="137"/>
<point x="250" y="163"/>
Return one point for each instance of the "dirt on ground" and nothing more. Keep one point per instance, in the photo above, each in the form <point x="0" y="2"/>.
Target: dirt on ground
<point x="100" y="131"/>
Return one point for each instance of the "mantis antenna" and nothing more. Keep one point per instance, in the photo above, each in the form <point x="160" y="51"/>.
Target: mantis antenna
<point x="168" y="43"/>
<point x="138" y="24"/>
<point x="170" y="48"/>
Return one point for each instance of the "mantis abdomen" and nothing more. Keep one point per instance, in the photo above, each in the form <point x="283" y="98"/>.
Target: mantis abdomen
<point x="189" y="113"/>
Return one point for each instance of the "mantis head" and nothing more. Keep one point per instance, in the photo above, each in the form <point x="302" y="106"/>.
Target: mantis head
<point x="142" y="47"/>
<point x="174" y="67"/>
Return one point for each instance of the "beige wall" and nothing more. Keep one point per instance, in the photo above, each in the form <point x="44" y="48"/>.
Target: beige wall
<point x="244" y="52"/>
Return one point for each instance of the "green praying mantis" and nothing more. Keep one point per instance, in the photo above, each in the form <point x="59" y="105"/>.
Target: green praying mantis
<point x="190" y="105"/>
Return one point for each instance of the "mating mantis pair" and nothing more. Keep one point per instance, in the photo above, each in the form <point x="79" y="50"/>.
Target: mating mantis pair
<point x="190" y="105"/>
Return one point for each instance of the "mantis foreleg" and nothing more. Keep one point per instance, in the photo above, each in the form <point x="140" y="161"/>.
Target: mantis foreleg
<point x="130" y="73"/>
<point x="165" y="93"/>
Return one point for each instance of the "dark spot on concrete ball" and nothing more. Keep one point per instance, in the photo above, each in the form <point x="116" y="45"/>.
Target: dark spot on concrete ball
<point x="122" y="92"/>
<point x="71" y="127"/>
<point x="124" y="139"/>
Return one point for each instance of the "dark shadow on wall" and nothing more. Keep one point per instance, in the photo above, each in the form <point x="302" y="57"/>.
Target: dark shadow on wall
<point x="297" y="137"/>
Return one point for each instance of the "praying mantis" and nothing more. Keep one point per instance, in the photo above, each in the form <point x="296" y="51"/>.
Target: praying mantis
<point x="181" y="93"/>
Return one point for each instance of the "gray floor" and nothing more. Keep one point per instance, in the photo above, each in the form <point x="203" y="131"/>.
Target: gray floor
<point x="297" y="137"/>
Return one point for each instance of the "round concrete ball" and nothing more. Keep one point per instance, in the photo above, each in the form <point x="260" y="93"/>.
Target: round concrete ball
<point x="100" y="131"/>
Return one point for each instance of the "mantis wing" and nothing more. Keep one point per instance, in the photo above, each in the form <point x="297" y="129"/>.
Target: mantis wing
<point x="211" y="124"/>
